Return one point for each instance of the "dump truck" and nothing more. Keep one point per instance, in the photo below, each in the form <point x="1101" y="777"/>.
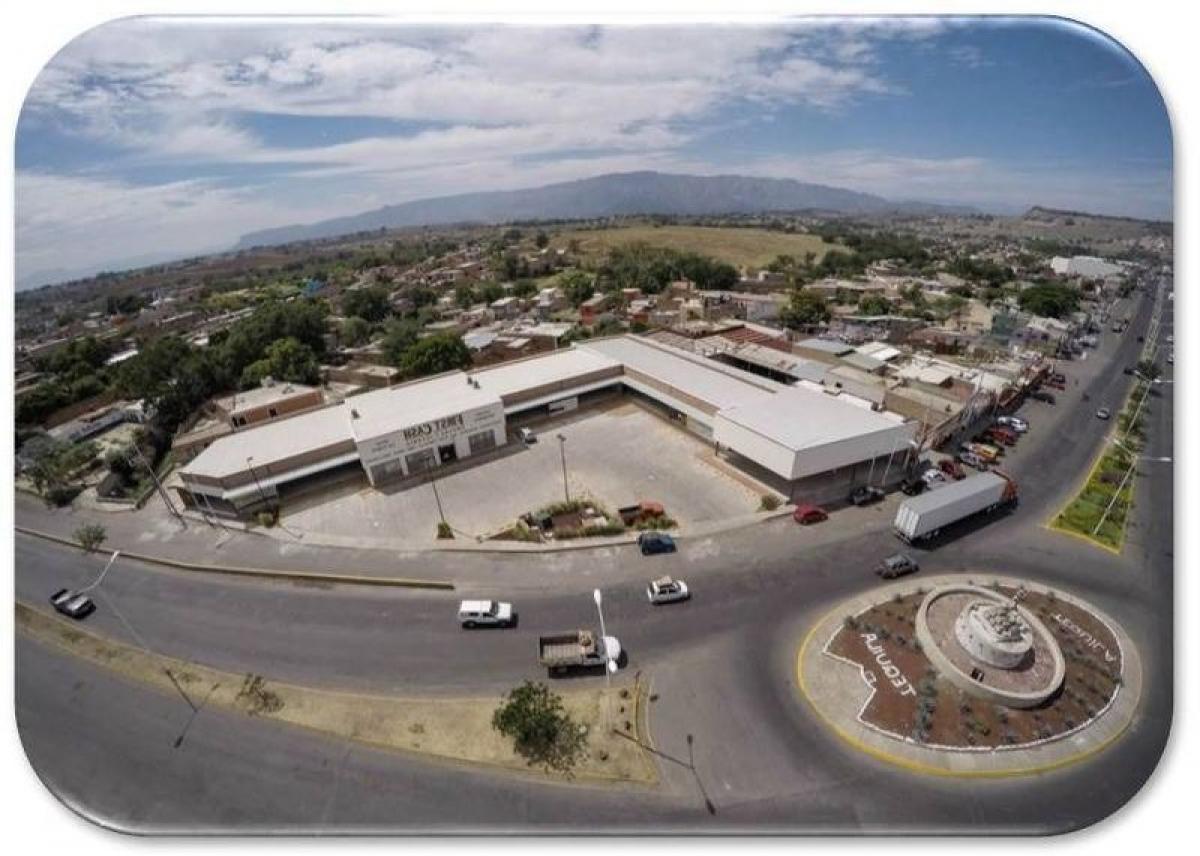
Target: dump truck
<point x="559" y="652"/>
<point x="924" y="516"/>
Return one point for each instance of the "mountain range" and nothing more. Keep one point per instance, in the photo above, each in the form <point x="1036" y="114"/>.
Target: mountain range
<point x="610" y="195"/>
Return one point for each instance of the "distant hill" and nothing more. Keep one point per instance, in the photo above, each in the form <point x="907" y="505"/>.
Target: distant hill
<point x="615" y="194"/>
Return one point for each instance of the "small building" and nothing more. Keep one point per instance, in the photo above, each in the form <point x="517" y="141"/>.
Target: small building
<point x="269" y="401"/>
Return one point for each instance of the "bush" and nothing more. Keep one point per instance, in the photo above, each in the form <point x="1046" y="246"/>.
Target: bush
<point x="444" y="531"/>
<point x="266" y="519"/>
<point x="63" y="494"/>
<point x="543" y="733"/>
<point x="769" y="502"/>
<point x="90" y="536"/>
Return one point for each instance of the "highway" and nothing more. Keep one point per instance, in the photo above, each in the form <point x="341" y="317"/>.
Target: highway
<point x="721" y="667"/>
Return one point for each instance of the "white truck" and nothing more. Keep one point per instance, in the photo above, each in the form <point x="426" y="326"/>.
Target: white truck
<point x="559" y="652"/>
<point x="924" y="516"/>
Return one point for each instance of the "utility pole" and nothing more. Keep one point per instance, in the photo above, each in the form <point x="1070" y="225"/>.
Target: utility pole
<point x="158" y="484"/>
<point x="562" y="448"/>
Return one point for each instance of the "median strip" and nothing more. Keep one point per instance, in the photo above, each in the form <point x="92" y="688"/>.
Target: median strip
<point x="451" y="729"/>
<point x="263" y="573"/>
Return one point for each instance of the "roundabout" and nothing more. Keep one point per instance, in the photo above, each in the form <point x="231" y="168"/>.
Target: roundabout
<point x="971" y="675"/>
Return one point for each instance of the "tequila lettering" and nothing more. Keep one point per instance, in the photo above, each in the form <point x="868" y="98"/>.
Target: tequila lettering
<point x="1085" y="637"/>
<point x="890" y="670"/>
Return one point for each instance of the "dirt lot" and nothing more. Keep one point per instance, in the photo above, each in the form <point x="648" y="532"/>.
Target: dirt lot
<point x="740" y="247"/>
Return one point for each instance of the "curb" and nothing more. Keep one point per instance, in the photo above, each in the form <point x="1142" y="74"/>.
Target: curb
<point x="265" y="573"/>
<point x="918" y="766"/>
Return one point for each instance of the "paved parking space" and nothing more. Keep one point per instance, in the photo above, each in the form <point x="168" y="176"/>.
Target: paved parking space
<point x="618" y="454"/>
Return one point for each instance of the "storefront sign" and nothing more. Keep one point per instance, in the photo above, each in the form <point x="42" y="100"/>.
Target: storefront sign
<point x="436" y="426"/>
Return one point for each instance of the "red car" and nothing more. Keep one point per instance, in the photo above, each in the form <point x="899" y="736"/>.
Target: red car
<point x="806" y="514"/>
<point x="952" y="468"/>
<point x="999" y="435"/>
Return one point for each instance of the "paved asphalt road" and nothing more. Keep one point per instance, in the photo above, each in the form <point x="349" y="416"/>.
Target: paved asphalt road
<point x="722" y="667"/>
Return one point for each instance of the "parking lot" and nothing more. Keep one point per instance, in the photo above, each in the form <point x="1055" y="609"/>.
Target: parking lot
<point x="617" y="453"/>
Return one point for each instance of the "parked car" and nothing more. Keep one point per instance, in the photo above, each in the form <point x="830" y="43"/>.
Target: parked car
<point x="486" y="613"/>
<point x="651" y="543"/>
<point x="528" y="437"/>
<point x="897" y="565"/>
<point x="999" y="435"/>
<point x="72" y="604"/>
<point x="950" y="467"/>
<point x="806" y="514"/>
<point x="1103" y="413"/>
<point x="972" y="460"/>
<point x="912" y="486"/>
<point x="1127" y="370"/>
<point x="933" y="477"/>
<point x="1016" y="423"/>
<point x="865" y="495"/>
<point x="667" y="590"/>
<point x="1043" y="396"/>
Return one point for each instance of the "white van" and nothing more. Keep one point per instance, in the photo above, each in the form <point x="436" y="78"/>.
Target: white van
<point x="527" y="436"/>
<point x="485" y="613"/>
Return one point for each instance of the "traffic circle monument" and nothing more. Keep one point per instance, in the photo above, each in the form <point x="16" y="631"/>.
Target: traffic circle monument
<point x="971" y="675"/>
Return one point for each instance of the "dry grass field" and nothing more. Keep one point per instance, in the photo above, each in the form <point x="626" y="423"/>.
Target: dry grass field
<point x="752" y="248"/>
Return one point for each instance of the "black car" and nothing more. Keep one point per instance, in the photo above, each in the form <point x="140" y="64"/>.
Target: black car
<point x="655" y="542"/>
<point x="72" y="604"/>
<point x="1040" y="395"/>
<point x="865" y="495"/>
<point x="913" y="486"/>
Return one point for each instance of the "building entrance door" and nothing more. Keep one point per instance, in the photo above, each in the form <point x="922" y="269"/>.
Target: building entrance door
<point x="447" y="454"/>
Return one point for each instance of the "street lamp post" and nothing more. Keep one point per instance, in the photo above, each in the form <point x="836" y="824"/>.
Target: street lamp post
<point x="254" y="475"/>
<point x="100" y="578"/>
<point x="562" y="449"/>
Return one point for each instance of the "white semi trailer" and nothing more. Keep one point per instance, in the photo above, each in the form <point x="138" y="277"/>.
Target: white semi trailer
<point x="924" y="516"/>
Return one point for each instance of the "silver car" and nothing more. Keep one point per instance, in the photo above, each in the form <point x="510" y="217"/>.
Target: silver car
<point x="667" y="590"/>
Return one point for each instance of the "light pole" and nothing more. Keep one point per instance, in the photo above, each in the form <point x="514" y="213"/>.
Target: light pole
<point x="100" y="578"/>
<point x="254" y="475"/>
<point x="562" y="449"/>
<point x="609" y="665"/>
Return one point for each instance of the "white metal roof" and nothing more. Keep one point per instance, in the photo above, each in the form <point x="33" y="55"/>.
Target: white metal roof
<point x="272" y="442"/>
<point x="386" y="410"/>
<point x="562" y="365"/>
<point x="798" y="418"/>
<point x="718" y="385"/>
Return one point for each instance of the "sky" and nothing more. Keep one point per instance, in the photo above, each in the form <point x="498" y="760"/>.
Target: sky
<point x="150" y="139"/>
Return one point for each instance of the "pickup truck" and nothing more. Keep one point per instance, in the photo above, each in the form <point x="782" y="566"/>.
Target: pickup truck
<point x="559" y="652"/>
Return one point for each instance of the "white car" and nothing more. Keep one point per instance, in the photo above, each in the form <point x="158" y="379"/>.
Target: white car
<point x="667" y="590"/>
<point x="933" y="477"/>
<point x="486" y="613"/>
<point x="1014" y="422"/>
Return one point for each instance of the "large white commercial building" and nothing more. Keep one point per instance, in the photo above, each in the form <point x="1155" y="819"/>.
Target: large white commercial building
<point x="788" y="433"/>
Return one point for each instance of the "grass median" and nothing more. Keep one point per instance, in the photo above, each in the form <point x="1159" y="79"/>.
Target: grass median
<point x="451" y="728"/>
<point x="1100" y="511"/>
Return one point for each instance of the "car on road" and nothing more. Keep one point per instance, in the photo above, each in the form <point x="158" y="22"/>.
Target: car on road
<point x="1016" y="423"/>
<point x="806" y="514"/>
<point x="912" y="486"/>
<point x="652" y="543"/>
<point x="1043" y="396"/>
<point x="72" y="604"/>
<point x="1170" y="359"/>
<point x="897" y="565"/>
<point x="1103" y="413"/>
<point x="486" y="613"/>
<point x="865" y="495"/>
<point x="667" y="590"/>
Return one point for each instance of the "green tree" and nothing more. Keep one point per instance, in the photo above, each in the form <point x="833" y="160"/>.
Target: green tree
<point x="398" y="338"/>
<point x="524" y="288"/>
<point x="90" y="536"/>
<point x="287" y="360"/>
<point x="1049" y="299"/>
<point x="874" y="304"/>
<point x="577" y="286"/>
<point x="806" y="309"/>
<point x="490" y="292"/>
<point x="542" y="239"/>
<point x="370" y="304"/>
<point x="355" y="331"/>
<point x="464" y="295"/>
<point x="1148" y="369"/>
<point x="542" y="732"/>
<point x="435" y="354"/>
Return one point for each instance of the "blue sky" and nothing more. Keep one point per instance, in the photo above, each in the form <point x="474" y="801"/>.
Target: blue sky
<point x="154" y="138"/>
